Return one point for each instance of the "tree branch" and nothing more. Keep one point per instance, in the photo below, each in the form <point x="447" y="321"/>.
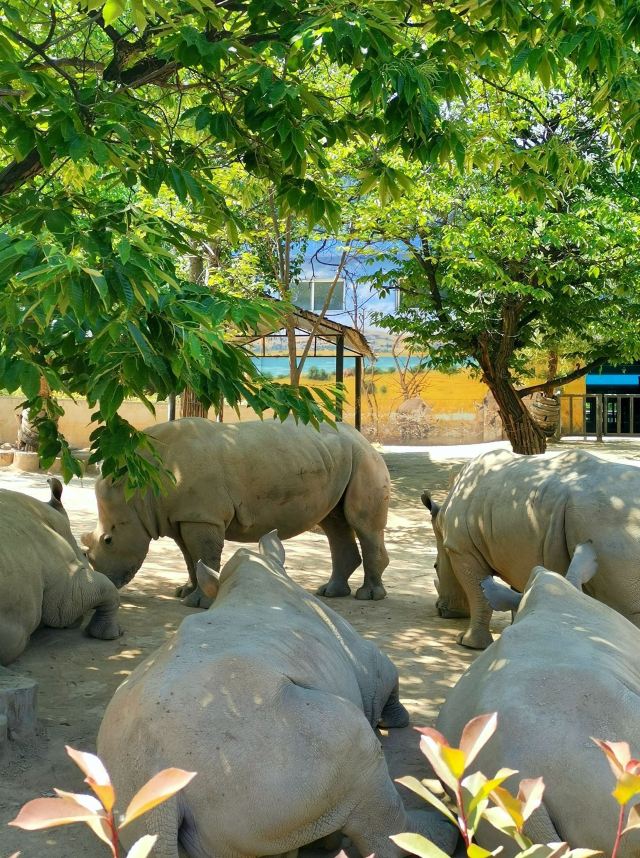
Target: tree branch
<point x="561" y="379"/>
<point x="434" y="290"/>
<point x="37" y="49"/>
<point x="71" y="62"/>
<point x="517" y="95"/>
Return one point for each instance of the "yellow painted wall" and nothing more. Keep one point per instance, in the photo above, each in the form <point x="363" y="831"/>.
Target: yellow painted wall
<point x="453" y="411"/>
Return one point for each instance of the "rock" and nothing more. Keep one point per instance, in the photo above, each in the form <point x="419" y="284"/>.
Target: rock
<point x="18" y="706"/>
<point x="6" y="456"/>
<point x="25" y="461"/>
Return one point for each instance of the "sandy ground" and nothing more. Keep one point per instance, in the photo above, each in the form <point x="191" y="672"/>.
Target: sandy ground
<point x="77" y="675"/>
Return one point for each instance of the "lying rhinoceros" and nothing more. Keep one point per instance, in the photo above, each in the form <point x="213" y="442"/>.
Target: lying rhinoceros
<point x="271" y="697"/>
<point x="238" y="481"/>
<point x="507" y="513"/>
<point x="565" y="671"/>
<point x="44" y="576"/>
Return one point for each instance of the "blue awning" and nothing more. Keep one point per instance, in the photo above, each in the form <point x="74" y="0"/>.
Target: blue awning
<point x="613" y="380"/>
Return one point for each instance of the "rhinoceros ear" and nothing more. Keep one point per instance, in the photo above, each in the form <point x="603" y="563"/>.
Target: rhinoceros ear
<point x="499" y="596"/>
<point x="208" y="579"/>
<point x="56" y="494"/>
<point x="271" y="546"/>
<point x="430" y="504"/>
<point x="583" y="566"/>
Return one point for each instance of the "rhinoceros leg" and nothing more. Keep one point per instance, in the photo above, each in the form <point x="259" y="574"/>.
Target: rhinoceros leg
<point x="13" y="639"/>
<point x="199" y="542"/>
<point x="394" y="713"/>
<point x="380" y="814"/>
<point x="375" y="560"/>
<point x="470" y="572"/>
<point x="366" y="502"/>
<point x="345" y="557"/>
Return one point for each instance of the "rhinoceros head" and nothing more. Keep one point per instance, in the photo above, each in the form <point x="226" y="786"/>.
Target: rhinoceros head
<point x="119" y="544"/>
<point x="452" y="602"/>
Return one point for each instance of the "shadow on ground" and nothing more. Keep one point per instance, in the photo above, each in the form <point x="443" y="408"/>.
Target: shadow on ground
<point x="78" y="675"/>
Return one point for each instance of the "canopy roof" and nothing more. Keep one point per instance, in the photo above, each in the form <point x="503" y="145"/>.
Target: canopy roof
<point x="323" y="329"/>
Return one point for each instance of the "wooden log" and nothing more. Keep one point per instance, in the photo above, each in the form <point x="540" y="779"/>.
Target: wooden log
<point x="18" y="705"/>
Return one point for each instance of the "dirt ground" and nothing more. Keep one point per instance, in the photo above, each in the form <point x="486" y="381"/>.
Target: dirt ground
<point x="77" y="675"/>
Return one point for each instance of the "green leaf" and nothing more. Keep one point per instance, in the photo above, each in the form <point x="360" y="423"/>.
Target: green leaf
<point x="112" y="10"/>
<point x="415" y="786"/>
<point x="30" y="380"/>
<point x="418" y="845"/>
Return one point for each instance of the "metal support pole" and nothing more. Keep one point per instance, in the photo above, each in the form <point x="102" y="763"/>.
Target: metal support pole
<point x="339" y="372"/>
<point x="599" y="414"/>
<point x="358" y="394"/>
<point x="557" y="435"/>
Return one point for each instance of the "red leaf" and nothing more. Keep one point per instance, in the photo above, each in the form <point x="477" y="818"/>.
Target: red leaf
<point x="617" y="753"/>
<point x="476" y="734"/>
<point x="97" y="776"/>
<point x="48" y="812"/>
<point x="530" y="795"/>
<point x="161" y="787"/>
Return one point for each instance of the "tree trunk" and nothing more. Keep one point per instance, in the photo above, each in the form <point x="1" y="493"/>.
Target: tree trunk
<point x="28" y="439"/>
<point x="189" y="404"/>
<point x="552" y="369"/>
<point x="525" y="436"/>
<point x="294" y="372"/>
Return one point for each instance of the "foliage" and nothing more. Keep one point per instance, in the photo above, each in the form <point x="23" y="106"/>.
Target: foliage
<point x="480" y="798"/>
<point x="318" y="374"/>
<point x="99" y="813"/>
<point x="119" y="118"/>
<point x="486" y="276"/>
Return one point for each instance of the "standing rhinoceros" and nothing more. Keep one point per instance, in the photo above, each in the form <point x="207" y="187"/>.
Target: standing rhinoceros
<point x="242" y="480"/>
<point x="271" y="698"/>
<point x="44" y="576"/>
<point x="507" y="513"/>
<point x="564" y="672"/>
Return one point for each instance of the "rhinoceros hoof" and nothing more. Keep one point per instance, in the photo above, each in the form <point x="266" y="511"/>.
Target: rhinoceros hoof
<point x="185" y="590"/>
<point x="104" y="629"/>
<point x="475" y="639"/>
<point x="448" y="613"/>
<point x="394" y="715"/>
<point x="332" y="589"/>
<point x="371" y="592"/>
<point x="197" y="599"/>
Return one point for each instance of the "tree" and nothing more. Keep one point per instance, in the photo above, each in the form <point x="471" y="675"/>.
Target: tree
<point x="485" y="277"/>
<point x="412" y="377"/>
<point x="105" y="107"/>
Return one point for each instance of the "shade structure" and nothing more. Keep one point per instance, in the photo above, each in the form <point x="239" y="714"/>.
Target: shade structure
<point x="344" y="337"/>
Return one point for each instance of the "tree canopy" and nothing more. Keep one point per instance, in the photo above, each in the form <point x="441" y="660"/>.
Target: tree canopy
<point x="118" y="120"/>
<point x="486" y="278"/>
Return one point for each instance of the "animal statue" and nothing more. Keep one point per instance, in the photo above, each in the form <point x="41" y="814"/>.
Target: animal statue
<point x="507" y="513"/>
<point x="564" y="672"/>
<point x="44" y="576"/>
<point x="239" y="481"/>
<point x="272" y="698"/>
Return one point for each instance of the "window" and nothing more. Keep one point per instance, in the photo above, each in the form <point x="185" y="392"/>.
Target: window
<point x="311" y="295"/>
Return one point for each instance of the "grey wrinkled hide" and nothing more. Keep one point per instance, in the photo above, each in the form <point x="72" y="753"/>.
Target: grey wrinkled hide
<point x="271" y="697"/>
<point x="508" y="513"/>
<point x="566" y="670"/>
<point x="44" y="577"/>
<point x="239" y="481"/>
